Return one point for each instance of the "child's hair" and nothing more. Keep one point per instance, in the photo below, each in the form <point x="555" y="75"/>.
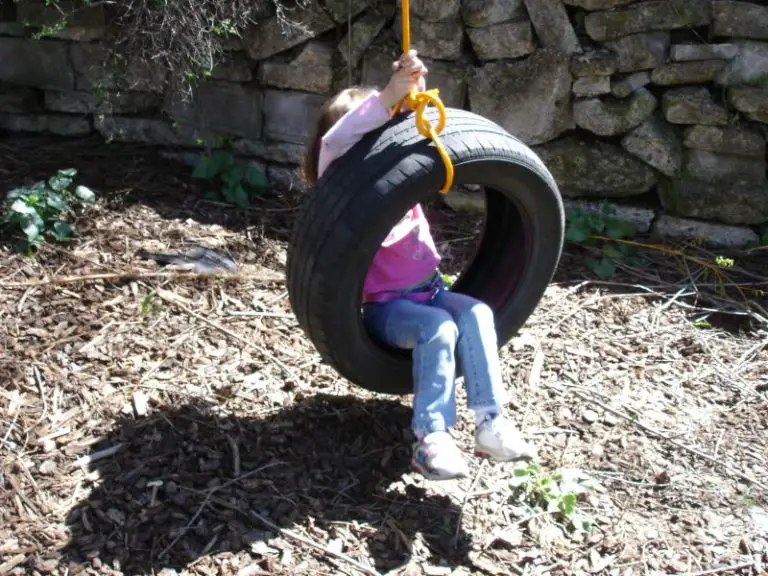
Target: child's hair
<point x="331" y="112"/>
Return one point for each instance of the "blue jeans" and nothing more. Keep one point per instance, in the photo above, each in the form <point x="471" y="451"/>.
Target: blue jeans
<point x="449" y="325"/>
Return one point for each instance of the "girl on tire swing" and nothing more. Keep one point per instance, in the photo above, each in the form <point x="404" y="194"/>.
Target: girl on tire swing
<point x="406" y="305"/>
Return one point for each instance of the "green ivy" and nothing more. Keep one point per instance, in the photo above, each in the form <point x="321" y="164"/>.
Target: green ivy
<point x="584" y="225"/>
<point x="40" y="210"/>
<point x="556" y="494"/>
<point x="238" y="184"/>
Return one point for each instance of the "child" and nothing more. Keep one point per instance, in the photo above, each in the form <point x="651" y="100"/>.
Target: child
<point x="406" y="305"/>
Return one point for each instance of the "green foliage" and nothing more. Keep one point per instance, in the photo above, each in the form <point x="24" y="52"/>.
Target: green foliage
<point x="449" y="279"/>
<point x="40" y="210"/>
<point x="582" y="228"/>
<point x="556" y="494"/>
<point x="238" y="184"/>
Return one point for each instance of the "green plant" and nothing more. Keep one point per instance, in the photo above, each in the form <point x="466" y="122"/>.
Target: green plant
<point x="596" y="229"/>
<point x="555" y="494"/>
<point x="238" y="183"/>
<point x="40" y="210"/>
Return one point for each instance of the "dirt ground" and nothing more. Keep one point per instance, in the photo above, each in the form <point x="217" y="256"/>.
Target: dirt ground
<point x="177" y="425"/>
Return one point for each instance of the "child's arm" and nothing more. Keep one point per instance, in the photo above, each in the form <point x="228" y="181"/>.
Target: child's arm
<point x="370" y="114"/>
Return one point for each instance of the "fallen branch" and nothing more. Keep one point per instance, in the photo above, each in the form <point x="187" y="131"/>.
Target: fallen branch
<point x="137" y="275"/>
<point x="298" y="538"/>
<point x="632" y="420"/>
<point x="263" y="351"/>
<point x="721" y="570"/>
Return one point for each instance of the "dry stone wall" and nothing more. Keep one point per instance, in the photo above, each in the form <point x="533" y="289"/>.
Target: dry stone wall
<point x="660" y="106"/>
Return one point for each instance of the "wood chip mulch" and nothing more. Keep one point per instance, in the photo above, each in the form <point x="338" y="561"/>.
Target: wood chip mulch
<point x="165" y="424"/>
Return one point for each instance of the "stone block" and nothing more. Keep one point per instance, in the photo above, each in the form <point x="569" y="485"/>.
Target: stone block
<point x="272" y="37"/>
<point x="233" y="67"/>
<point x="748" y="66"/>
<point x="14" y="100"/>
<point x="450" y="79"/>
<point x="12" y="29"/>
<point x="740" y="19"/>
<point x="696" y="72"/>
<point x="286" y="178"/>
<point x="648" y="16"/>
<point x="691" y="52"/>
<point x="36" y="64"/>
<point x="432" y="11"/>
<point x="657" y="144"/>
<point x="611" y="117"/>
<point x="591" y="86"/>
<point x="482" y="13"/>
<point x="739" y="141"/>
<point x="93" y="70"/>
<point x="716" y="235"/>
<point x="692" y="105"/>
<point x="639" y="218"/>
<point x="640" y="51"/>
<point x="341" y="10"/>
<point x="598" y="168"/>
<point x="706" y="165"/>
<point x="88" y="103"/>
<point x="463" y="199"/>
<point x="437" y="40"/>
<point x="530" y="98"/>
<point x="58" y="124"/>
<point x="553" y="27"/>
<point x="732" y="201"/>
<point x="592" y="5"/>
<point x="221" y="107"/>
<point x="505" y="40"/>
<point x="282" y="152"/>
<point x="750" y="101"/>
<point x="364" y="31"/>
<point x="594" y="63"/>
<point x="624" y="85"/>
<point x="311" y="70"/>
<point x="148" y="131"/>
<point x="288" y="116"/>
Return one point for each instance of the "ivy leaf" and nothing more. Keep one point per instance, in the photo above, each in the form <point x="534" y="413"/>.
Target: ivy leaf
<point x="576" y="233"/>
<point x="206" y="169"/>
<point x="568" y="504"/>
<point x="612" y="251"/>
<point x="68" y="172"/>
<point x="256" y="178"/>
<point x="239" y="195"/>
<point x="56" y="202"/>
<point x="85" y="194"/>
<point x="603" y="268"/>
<point x="62" y="231"/>
<point x="59" y="183"/>
<point x="21" y="207"/>
<point x="31" y="230"/>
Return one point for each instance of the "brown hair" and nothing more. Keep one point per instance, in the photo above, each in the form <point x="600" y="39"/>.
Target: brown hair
<point x="330" y="113"/>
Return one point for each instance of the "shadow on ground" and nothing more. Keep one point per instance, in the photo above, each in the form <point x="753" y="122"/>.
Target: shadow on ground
<point x="326" y="461"/>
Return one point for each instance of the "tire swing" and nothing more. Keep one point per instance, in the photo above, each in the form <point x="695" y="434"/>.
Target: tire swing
<point x="363" y="194"/>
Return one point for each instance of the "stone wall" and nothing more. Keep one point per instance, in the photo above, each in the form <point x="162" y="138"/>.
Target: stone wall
<point x="660" y="106"/>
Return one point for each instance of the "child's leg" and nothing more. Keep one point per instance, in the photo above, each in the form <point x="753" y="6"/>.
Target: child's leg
<point x="477" y="349"/>
<point x="431" y="334"/>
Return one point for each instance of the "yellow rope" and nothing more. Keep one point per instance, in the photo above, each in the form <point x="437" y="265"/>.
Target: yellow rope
<point x="419" y="101"/>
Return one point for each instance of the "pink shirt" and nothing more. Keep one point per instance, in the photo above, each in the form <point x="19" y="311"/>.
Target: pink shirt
<point x="408" y="255"/>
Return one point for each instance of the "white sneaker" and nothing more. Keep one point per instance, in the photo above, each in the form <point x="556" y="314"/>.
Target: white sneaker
<point x="500" y="439"/>
<point x="438" y="458"/>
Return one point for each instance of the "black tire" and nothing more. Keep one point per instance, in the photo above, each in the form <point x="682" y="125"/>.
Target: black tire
<point x="363" y="194"/>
